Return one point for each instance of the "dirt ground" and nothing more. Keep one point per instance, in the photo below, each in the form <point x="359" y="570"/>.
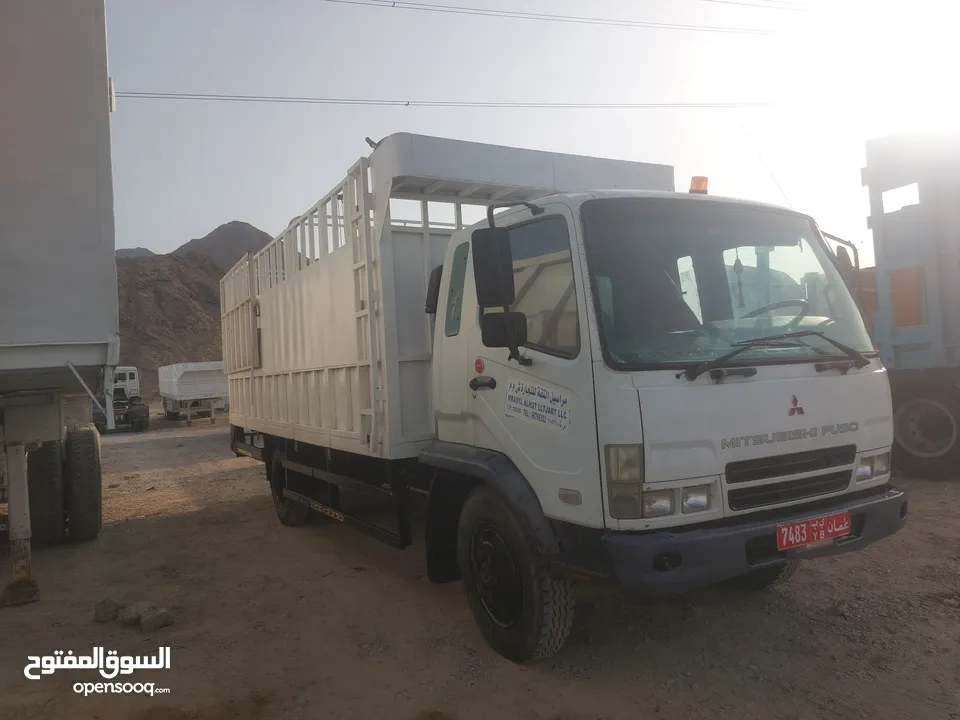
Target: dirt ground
<point x="322" y="622"/>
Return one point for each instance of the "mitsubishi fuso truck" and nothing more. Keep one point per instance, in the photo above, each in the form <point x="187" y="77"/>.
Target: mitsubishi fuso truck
<point x="567" y="372"/>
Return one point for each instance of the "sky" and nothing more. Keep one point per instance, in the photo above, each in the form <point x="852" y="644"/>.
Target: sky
<point x="836" y="73"/>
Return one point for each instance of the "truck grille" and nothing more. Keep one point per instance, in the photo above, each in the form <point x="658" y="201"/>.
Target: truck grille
<point x="764" y="495"/>
<point x="792" y="464"/>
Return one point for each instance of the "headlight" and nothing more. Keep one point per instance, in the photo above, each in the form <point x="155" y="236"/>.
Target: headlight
<point x="695" y="499"/>
<point x="872" y="466"/>
<point x="658" y="503"/>
<point x="625" y="463"/>
<point x="881" y="464"/>
<point x="624" y="480"/>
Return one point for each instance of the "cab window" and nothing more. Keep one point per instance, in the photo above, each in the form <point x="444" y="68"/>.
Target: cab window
<point x="458" y="275"/>
<point x="544" y="286"/>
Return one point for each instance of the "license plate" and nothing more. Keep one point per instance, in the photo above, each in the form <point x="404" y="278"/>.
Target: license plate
<point x="813" y="532"/>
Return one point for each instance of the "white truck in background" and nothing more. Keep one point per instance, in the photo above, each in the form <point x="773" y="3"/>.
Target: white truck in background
<point x="130" y="412"/>
<point x="127" y="378"/>
<point x="192" y="389"/>
<point x="630" y="384"/>
<point x="58" y="280"/>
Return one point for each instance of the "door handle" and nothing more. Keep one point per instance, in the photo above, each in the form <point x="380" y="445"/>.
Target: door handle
<point x="483" y="382"/>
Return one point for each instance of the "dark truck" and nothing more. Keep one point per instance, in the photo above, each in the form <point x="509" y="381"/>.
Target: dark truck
<point x="128" y="413"/>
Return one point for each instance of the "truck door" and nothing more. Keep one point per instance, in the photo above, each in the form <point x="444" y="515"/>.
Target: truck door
<point x="542" y="415"/>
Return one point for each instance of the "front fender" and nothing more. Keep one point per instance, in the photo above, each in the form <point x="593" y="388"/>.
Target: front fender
<point x="498" y="471"/>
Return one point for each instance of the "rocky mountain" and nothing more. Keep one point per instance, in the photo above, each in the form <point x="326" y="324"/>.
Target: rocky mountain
<point x="226" y="244"/>
<point x="170" y="304"/>
<point x="137" y="252"/>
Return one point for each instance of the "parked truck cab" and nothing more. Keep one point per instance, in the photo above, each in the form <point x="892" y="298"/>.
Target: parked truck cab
<point x="632" y="386"/>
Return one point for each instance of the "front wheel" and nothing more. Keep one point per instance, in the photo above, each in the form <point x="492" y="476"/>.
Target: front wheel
<point x="523" y="612"/>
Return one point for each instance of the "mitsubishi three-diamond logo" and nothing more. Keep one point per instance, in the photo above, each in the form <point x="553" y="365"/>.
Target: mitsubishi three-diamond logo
<point x="795" y="408"/>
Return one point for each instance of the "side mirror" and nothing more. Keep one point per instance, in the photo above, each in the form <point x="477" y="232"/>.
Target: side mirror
<point x="433" y="291"/>
<point x="493" y="268"/>
<point x="495" y="329"/>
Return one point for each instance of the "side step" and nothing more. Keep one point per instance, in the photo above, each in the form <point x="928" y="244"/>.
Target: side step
<point x="251" y="451"/>
<point x="397" y="494"/>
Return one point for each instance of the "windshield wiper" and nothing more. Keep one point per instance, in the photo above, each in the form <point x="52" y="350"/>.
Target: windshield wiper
<point x="695" y="371"/>
<point x="859" y="359"/>
<point x="783" y="340"/>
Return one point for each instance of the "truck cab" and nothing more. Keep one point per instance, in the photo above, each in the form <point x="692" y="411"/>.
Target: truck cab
<point x="127" y="378"/>
<point x="672" y="383"/>
<point x="130" y="412"/>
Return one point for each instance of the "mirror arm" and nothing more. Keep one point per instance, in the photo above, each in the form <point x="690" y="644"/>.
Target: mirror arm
<point x="856" y="264"/>
<point x="856" y="255"/>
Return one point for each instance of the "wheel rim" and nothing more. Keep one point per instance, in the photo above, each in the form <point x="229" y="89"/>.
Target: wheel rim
<point x="925" y="428"/>
<point x="496" y="575"/>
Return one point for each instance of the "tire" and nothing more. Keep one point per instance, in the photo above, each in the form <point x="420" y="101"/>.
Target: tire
<point x="84" y="484"/>
<point x="532" y="617"/>
<point x="926" y="431"/>
<point x="290" y="512"/>
<point x="764" y="578"/>
<point x="45" y="493"/>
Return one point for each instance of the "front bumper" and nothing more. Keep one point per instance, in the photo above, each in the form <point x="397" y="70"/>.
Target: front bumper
<point x="676" y="561"/>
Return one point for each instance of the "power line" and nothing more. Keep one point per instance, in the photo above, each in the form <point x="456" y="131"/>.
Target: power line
<point x="383" y="102"/>
<point x="574" y="19"/>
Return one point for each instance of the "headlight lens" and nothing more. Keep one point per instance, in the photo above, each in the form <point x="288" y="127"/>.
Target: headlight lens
<point x="624" y="480"/>
<point x="695" y="499"/>
<point x="658" y="503"/>
<point x="872" y="466"/>
<point x="881" y="464"/>
<point x="625" y="463"/>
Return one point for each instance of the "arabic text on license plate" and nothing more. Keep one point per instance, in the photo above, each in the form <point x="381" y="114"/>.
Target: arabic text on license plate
<point x="811" y="532"/>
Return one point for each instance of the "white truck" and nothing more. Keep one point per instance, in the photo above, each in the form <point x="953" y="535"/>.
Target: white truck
<point x="59" y="327"/>
<point x="127" y="379"/>
<point x="130" y="412"/>
<point x="192" y="388"/>
<point x="587" y="396"/>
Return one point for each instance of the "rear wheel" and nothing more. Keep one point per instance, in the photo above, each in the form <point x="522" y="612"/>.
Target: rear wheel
<point x="523" y="612"/>
<point x="926" y="431"/>
<point x="289" y="511"/>
<point x="84" y="484"/>
<point x="767" y="577"/>
<point x="45" y="492"/>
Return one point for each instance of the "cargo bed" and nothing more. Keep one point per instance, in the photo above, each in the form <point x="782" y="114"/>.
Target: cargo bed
<point x="325" y="339"/>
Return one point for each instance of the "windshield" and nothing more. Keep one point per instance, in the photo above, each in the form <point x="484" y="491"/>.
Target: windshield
<point x="679" y="281"/>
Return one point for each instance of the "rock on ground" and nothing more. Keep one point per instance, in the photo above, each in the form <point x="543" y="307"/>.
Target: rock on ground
<point x="106" y="610"/>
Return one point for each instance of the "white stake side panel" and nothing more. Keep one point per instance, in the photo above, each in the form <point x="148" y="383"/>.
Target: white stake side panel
<point x="58" y="278"/>
<point x="193" y="381"/>
<point x="325" y="339"/>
